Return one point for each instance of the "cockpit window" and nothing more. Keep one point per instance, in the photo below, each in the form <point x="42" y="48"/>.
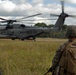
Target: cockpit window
<point x="22" y="25"/>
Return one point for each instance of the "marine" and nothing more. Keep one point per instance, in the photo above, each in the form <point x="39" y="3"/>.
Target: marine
<point x="64" y="61"/>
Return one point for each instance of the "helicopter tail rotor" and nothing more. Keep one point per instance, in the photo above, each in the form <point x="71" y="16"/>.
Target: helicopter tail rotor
<point x="61" y="18"/>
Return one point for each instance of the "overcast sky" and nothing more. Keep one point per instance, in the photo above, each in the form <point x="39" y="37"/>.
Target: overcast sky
<point x="17" y="8"/>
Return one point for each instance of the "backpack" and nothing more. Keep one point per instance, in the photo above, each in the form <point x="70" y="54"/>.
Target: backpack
<point x="68" y="59"/>
<point x="71" y="58"/>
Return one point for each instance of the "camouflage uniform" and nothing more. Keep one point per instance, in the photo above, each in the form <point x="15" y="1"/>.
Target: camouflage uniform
<point x="56" y="59"/>
<point x="59" y="63"/>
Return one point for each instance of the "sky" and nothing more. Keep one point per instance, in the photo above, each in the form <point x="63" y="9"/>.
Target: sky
<point x="15" y="9"/>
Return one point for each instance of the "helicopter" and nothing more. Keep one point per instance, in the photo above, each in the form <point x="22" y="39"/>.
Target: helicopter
<point x="61" y="18"/>
<point x="22" y="31"/>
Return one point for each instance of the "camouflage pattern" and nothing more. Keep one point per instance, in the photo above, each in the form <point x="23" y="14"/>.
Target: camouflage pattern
<point x="71" y="32"/>
<point x="57" y="56"/>
<point x="56" y="59"/>
<point x="67" y="62"/>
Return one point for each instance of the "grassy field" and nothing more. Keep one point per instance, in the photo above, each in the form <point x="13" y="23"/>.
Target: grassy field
<point x="27" y="57"/>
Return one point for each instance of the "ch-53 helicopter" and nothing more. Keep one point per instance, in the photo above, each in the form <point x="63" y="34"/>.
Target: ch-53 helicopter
<point x="21" y="31"/>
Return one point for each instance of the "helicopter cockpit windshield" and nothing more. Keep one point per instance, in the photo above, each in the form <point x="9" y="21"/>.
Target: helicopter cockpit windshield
<point x="22" y="25"/>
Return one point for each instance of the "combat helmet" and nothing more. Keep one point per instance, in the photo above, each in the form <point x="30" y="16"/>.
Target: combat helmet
<point x="71" y="32"/>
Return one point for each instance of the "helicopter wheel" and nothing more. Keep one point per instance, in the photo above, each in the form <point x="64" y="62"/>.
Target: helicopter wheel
<point x="22" y="39"/>
<point x="13" y="38"/>
<point x="34" y="38"/>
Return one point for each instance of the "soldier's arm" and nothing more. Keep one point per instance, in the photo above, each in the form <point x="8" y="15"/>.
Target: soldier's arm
<point x="54" y="61"/>
<point x="57" y="56"/>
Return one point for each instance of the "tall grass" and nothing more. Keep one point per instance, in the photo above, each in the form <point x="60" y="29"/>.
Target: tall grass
<point x="27" y="57"/>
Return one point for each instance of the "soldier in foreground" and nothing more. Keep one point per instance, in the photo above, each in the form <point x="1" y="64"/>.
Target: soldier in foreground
<point x="64" y="61"/>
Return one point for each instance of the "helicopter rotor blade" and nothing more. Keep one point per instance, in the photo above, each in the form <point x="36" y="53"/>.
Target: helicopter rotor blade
<point x="30" y="23"/>
<point x="8" y="21"/>
<point x="2" y="21"/>
<point x="54" y="15"/>
<point x="2" y="18"/>
<point x="62" y="7"/>
<point x="62" y="4"/>
<point x="72" y="16"/>
<point x="30" y="16"/>
<point x="11" y="21"/>
<point x="38" y="19"/>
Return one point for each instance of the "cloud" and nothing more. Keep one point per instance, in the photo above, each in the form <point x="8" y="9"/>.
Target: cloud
<point x="71" y="1"/>
<point x="7" y="6"/>
<point x="37" y="1"/>
<point x="24" y="8"/>
<point x="19" y="1"/>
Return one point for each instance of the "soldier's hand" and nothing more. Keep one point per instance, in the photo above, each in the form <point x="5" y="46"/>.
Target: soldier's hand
<point x="50" y="70"/>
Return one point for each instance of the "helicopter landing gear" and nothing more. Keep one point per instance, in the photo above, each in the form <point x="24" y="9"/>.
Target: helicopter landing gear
<point x="34" y="38"/>
<point x="22" y="39"/>
<point x="13" y="38"/>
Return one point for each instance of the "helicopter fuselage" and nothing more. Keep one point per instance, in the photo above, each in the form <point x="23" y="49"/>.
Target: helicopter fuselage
<point x="20" y="31"/>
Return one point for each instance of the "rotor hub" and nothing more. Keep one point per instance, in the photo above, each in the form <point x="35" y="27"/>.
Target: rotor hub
<point x="64" y="15"/>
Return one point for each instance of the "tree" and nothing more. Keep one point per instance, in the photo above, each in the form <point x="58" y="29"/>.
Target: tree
<point x="41" y="25"/>
<point x="64" y="27"/>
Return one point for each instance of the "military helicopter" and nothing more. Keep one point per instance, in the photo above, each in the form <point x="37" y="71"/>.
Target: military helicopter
<point x="21" y="31"/>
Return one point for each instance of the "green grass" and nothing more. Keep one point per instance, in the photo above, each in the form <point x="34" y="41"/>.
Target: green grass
<point x="27" y="57"/>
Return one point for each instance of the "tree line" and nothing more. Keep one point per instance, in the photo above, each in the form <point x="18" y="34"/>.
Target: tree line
<point x="53" y="34"/>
